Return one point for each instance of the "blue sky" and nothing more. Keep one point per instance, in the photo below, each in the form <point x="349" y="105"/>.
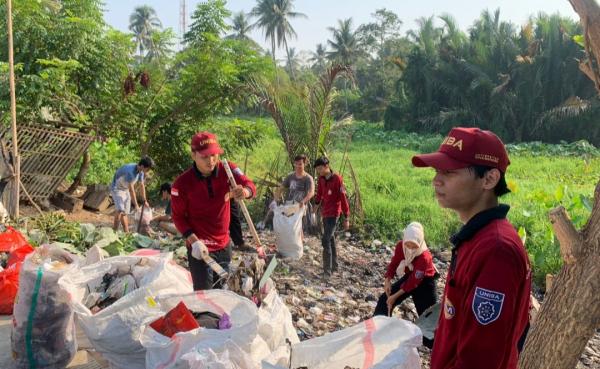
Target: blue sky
<point x="325" y="13"/>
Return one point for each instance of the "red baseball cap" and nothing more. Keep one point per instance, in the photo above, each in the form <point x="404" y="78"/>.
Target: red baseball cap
<point x="205" y="143"/>
<point x="464" y="147"/>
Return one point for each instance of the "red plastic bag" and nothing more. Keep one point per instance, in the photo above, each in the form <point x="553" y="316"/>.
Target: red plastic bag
<point x="18" y="255"/>
<point x="9" y="278"/>
<point x="178" y="319"/>
<point x="9" y="285"/>
<point x="11" y="240"/>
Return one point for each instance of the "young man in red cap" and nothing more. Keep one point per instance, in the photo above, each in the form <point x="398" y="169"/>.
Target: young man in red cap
<point x="486" y="298"/>
<point x="200" y="205"/>
<point x="331" y="195"/>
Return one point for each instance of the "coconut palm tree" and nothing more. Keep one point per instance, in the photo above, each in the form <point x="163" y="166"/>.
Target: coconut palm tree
<point x="292" y="62"/>
<point x="142" y="22"/>
<point x="274" y="18"/>
<point x="162" y="45"/>
<point x="241" y="27"/>
<point x="319" y="58"/>
<point x="345" y="47"/>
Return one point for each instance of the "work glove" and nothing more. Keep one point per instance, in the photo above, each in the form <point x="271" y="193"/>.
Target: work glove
<point x="199" y="250"/>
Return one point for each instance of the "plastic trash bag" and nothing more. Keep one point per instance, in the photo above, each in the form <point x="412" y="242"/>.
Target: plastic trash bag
<point x="287" y="224"/>
<point x="380" y="342"/>
<point x="43" y="334"/>
<point x="229" y="356"/>
<point x="114" y="332"/>
<point x="164" y="353"/>
<point x="9" y="278"/>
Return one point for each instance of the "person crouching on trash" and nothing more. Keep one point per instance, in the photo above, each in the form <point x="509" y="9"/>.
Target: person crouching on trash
<point x="413" y="264"/>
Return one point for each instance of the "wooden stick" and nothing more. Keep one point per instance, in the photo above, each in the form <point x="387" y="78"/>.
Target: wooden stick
<point x="232" y="183"/>
<point x="13" y="110"/>
<point x="216" y="267"/>
<point x="141" y="216"/>
<point x="30" y="199"/>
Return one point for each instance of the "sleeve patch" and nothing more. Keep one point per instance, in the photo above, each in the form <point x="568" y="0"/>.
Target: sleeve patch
<point x="238" y="171"/>
<point x="487" y="305"/>
<point x="419" y="274"/>
<point x="174" y="192"/>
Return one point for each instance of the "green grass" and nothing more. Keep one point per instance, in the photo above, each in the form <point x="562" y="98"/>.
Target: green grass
<point x="395" y="193"/>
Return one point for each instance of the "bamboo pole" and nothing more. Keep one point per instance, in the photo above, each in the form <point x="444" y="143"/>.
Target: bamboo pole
<point x="259" y="248"/>
<point x="13" y="112"/>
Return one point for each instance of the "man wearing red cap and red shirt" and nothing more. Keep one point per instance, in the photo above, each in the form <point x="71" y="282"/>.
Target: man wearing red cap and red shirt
<point x="200" y="205"/>
<point x="486" y="299"/>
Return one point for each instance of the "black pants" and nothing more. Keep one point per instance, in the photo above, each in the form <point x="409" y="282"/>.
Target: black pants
<point x="235" y="224"/>
<point x="203" y="277"/>
<point x="328" y="241"/>
<point x="423" y="296"/>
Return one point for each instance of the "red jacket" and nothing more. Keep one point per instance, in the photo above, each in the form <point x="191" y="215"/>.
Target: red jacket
<point x="199" y="206"/>
<point x="332" y="194"/>
<point x="486" y="299"/>
<point x="422" y="267"/>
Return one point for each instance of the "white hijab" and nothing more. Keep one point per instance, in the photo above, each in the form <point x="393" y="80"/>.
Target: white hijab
<point x="413" y="233"/>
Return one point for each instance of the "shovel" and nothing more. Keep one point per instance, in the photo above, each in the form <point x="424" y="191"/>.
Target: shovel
<point x="259" y="248"/>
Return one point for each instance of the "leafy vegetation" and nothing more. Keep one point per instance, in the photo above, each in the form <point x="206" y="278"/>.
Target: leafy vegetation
<point x="395" y="193"/>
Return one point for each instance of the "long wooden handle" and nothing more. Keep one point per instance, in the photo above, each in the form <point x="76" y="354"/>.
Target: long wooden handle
<point x="215" y="266"/>
<point x="242" y="205"/>
<point x="141" y="216"/>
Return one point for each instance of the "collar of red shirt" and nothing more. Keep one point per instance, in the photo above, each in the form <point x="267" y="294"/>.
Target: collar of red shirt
<point x="467" y="231"/>
<point x="477" y="222"/>
<point x="199" y="175"/>
<point x="327" y="178"/>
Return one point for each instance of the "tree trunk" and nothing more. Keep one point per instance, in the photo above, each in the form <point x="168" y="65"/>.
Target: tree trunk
<point x="85" y="165"/>
<point x="589" y="12"/>
<point x="287" y="51"/>
<point x="570" y="313"/>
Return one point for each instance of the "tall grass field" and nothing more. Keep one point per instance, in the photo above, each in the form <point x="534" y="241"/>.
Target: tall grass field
<point x="394" y="193"/>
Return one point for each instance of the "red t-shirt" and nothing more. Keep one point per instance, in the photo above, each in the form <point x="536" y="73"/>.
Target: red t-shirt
<point x="486" y="302"/>
<point x="332" y="194"/>
<point x="422" y="267"/>
<point x="199" y="206"/>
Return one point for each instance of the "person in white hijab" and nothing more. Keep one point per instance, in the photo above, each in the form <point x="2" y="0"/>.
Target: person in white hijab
<point x="413" y="264"/>
<point x="413" y="245"/>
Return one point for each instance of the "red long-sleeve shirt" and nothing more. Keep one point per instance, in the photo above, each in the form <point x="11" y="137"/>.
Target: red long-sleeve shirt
<point x="199" y="206"/>
<point x="422" y="267"/>
<point x="486" y="302"/>
<point x="332" y="194"/>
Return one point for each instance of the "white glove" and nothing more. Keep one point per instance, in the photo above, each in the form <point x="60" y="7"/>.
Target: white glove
<point x="199" y="250"/>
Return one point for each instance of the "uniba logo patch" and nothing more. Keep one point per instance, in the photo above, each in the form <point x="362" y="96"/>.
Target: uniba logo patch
<point x="487" y="305"/>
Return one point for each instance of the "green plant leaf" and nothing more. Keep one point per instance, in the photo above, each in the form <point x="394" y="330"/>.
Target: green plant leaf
<point x="523" y="234"/>
<point x="579" y="40"/>
<point x="559" y="194"/>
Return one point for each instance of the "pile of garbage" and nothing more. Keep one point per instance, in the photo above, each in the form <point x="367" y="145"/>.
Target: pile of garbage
<point x="116" y="284"/>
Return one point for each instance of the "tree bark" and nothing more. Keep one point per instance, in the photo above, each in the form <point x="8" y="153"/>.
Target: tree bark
<point x="83" y="169"/>
<point x="589" y="12"/>
<point x="570" y="313"/>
